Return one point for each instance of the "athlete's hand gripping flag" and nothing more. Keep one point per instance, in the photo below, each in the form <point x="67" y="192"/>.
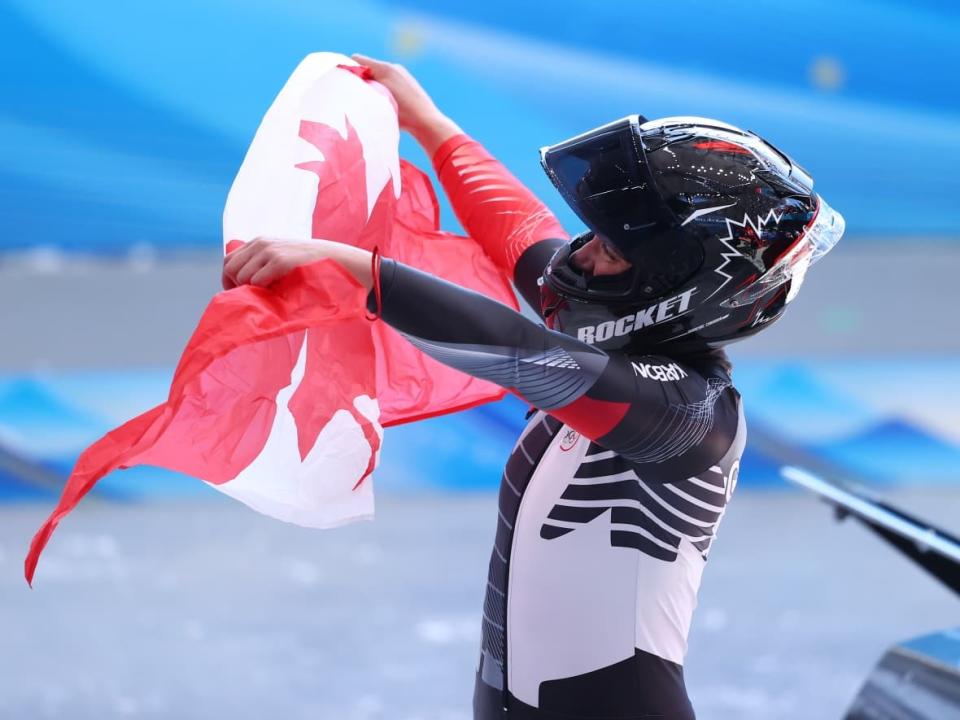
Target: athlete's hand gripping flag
<point x="281" y="395"/>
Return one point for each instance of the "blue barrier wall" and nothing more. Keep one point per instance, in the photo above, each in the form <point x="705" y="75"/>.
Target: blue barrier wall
<point x="880" y="422"/>
<point x="123" y="123"/>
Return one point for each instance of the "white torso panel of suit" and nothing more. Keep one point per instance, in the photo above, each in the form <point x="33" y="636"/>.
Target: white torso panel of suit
<point x="598" y="563"/>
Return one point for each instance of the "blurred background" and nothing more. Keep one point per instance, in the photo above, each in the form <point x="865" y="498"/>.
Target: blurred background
<point x="121" y="128"/>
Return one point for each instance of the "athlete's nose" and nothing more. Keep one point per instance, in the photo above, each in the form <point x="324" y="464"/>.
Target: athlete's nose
<point x="585" y="259"/>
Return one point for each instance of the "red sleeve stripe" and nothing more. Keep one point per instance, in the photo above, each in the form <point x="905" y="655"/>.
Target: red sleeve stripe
<point x="592" y="418"/>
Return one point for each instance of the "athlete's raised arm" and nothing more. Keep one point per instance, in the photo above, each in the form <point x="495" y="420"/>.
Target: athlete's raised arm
<point x="495" y="208"/>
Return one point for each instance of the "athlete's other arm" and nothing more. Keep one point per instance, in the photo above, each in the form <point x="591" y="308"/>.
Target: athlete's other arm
<point x="649" y="408"/>
<point x="495" y="208"/>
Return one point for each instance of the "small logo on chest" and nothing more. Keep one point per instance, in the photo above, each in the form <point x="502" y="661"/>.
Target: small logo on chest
<point x="569" y="439"/>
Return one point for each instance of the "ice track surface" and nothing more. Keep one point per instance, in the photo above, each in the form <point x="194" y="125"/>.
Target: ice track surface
<point x="206" y="609"/>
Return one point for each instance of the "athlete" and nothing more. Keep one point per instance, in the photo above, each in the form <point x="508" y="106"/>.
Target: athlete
<point x="698" y="234"/>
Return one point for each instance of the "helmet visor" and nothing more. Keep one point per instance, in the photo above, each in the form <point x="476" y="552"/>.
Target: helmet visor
<point x="604" y="177"/>
<point x="824" y="232"/>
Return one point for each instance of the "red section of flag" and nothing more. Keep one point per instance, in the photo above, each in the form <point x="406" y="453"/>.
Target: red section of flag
<point x="340" y="212"/>
<point x="221" y="403"/>
<point x="327" y="384"/>
<point x="361" y="71"/>
<point x="418" y="386"/>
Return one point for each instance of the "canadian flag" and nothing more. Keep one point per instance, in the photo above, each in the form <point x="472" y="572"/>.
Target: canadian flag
<point x="281" y="395"/>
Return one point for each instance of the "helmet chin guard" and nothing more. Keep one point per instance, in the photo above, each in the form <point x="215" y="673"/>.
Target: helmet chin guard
<point x="719" y="227"/>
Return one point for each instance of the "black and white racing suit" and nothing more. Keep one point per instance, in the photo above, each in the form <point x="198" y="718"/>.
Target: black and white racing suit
<point x="609" y="501"/>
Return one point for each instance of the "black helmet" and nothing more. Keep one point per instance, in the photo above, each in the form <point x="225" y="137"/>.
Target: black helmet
<point x="718" y="224"/>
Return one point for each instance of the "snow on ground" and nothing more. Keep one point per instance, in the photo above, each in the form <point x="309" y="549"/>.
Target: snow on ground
<point x="205" y="609"/>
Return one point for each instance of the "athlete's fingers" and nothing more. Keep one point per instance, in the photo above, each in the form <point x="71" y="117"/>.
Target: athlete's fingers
<point x="393" y="76"/>
<point x="235" y="260"/>
<point x="372" y="63"/>
<point x="270" y="273"/>
<point x="226" y="281"/>
<point x="252" y="266"/>
<point x="248" y="263"/>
